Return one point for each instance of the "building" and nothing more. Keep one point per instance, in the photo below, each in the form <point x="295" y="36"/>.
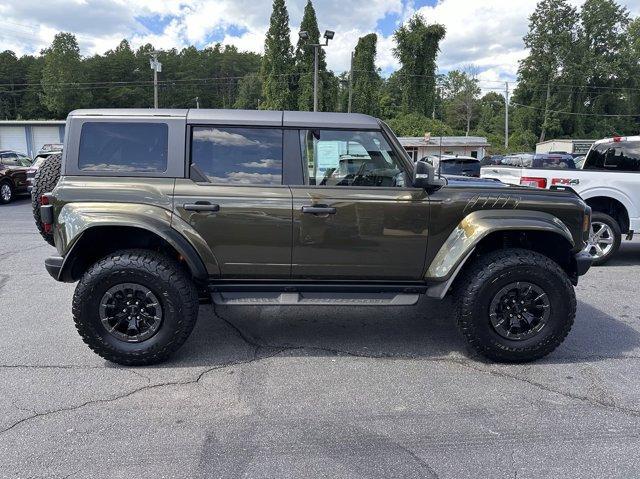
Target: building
<point x="419" y="147"/>
<point x="574" y="147"/>
<point x="28" y="136"/>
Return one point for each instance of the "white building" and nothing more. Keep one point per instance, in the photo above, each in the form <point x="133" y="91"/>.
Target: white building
<point x="419" y="147"/>
<point x="28" y="136"/>
<point x="574" y="147"/>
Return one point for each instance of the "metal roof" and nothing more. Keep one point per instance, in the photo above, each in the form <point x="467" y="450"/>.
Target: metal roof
<point x="444" y="141"/>
<point x="131" y="112"/>
<point x="31" y="122"/>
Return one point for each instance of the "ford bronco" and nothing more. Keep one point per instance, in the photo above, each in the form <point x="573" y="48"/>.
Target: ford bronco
<point x="155" y="211"/>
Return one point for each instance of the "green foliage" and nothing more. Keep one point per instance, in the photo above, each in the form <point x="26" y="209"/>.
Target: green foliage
<point x="460" y="94"/>
<point x="366" y="79"/>
<point x="249" y="92"/>
<point x="417" y="48"/>
<point x="62" y="69"/>
<point x="415" y="124"/>
<point x="278" y="62"/>
<point x="304" y="59"/>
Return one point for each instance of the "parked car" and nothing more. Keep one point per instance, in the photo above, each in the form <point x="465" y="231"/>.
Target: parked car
<point x="455" y="165"/>
<point x="609" y="182"/>
<point x="158" y="210"/>
<point x="13" y="174"/>
<point x="45" y="152"/>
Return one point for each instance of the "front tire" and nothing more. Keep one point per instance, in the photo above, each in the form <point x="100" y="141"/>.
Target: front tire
<point x="604" y="238"/>
<point x="135" y="307"/>
<point x="514" y="305"/>
<point x="6" y="192"/>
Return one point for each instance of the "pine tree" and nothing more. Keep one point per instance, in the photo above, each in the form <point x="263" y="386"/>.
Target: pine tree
<point x="305" y="62"/>
<point x="417" y="48"/>
<point x="277" y="62"/>
<point x="366" y="80"/>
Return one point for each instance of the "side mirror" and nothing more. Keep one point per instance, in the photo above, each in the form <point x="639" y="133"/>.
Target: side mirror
<point x="424" y="176"/>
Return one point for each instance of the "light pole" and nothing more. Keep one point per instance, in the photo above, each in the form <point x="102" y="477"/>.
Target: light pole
<point x="328" y="35"/>
<point x="156" y="66"/>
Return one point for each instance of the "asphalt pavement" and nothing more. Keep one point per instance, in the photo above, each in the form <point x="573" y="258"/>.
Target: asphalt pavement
<point x="313" y="392"/>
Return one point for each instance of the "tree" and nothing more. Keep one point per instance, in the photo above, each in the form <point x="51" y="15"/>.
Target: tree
<point x="249" y="92"/>
<point x="62" y="76"/>
<point x="277" y="62"/>
<point x="366" y="79"/>
<point x="304" y="58"/>
<point x="461" y="92"/>
<point x="417" y="48"/>
<point x="415" y="124"/>
<point x="10" y="76"/>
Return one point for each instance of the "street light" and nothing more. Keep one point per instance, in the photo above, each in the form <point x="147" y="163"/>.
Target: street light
<point x="328" y="35"/>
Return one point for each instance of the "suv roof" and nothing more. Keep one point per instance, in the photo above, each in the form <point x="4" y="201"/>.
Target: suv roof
<point x="278" y="118"/>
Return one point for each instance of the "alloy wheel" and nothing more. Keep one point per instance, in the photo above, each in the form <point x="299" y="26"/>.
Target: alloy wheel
<point x="601" y="239"/>
<point x="5" y="192"/>
<point x="519" y="310"/>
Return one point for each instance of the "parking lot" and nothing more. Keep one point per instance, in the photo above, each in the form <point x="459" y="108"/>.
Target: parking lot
<point x="323" y="392"/>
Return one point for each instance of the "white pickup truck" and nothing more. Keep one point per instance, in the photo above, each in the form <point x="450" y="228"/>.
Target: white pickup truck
<point x="609" y="181"/>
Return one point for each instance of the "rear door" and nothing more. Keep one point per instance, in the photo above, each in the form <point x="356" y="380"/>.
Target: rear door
<point x="235" y="199"/>
<point x="356" y="217"/>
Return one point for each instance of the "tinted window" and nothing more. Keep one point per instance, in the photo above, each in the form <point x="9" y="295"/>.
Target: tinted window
<point x="123" y="147"/>
<point x="554" y="161"/>
<point x="243" y="156"/>
<point x="350" y="158"/>
<point x="616" y="156"/>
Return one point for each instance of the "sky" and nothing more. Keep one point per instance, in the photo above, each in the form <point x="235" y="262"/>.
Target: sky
<point x="483" y="34"/>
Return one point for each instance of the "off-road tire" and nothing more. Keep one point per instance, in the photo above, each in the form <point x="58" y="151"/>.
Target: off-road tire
<point x="480" y="281"/>
<point x="617" y="236"/>
<point x="45" y="181"/>
<point x="2" y="200"/>
<point x="168" y="281"/>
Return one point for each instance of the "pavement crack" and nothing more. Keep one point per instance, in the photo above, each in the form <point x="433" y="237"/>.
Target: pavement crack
<point x="611" y="405"/>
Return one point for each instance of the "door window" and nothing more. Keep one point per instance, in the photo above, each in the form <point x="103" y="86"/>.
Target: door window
<point x="350" y="158"/>
<point x="241" y="156"/>
<point x="616" y="156"/>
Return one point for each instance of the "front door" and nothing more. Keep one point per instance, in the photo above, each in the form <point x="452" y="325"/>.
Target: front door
<point x="356" y="217"/>
<point x="235" y="200"/>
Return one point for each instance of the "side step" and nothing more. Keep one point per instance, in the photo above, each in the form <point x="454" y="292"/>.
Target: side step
<point x="239" y="298"/>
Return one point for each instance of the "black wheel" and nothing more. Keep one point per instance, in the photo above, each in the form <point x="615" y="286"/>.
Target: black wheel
<point x="6" y="192"/>
<point x="45" y="180"/>
<point x="514" y="305"/>
<point x="135" y="307"/>
<point x="604" y="238"/>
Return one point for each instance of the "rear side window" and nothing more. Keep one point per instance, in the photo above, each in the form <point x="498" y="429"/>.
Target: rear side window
<point x="554" y="162"/>
<point x="614" y="156"/>
<point x="237" y="156"/>
<point x="123" y="147"/>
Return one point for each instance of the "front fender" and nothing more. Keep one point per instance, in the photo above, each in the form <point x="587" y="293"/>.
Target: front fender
<point x="76" y="218"/>
<point x="475" y="226"/>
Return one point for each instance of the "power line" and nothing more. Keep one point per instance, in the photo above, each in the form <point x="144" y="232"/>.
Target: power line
<point x="575" y="113"/>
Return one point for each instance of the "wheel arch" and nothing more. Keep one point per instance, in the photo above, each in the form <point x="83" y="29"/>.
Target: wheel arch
<point x="484" y="231"/>
<point x="612" y="207"/>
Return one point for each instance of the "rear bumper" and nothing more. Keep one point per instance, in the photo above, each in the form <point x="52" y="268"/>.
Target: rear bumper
<point x="53" y="264"/>
<point x="583" y="262"/>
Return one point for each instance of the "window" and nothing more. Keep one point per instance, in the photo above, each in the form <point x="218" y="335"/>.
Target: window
<point x="240" y="156"/>
<point x="615" y="156"/>
<point x="123" y="147"/>
<point x="350" y="158"/>
<point x="9" y="159"/>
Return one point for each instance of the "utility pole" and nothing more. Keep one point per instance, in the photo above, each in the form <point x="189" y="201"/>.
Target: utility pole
<point x="328" y="35"/>
<point x="197" y="102"/>
<point x="506" y="115"/>
<point x="350" y="83"/>
<point x="156" y="66"/>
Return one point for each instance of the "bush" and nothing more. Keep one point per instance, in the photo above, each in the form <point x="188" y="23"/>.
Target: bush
<point x="414" y="124"/>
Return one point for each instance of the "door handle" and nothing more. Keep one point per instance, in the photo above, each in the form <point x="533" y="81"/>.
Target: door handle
<point x="319" y="210"/>
<point x="201" y="207"/>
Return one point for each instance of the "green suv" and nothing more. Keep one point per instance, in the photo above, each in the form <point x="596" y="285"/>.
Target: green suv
<point x="156" y="211"/>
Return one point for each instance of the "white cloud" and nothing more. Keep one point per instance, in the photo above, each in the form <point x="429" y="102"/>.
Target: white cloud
<point x="487" y="33"/>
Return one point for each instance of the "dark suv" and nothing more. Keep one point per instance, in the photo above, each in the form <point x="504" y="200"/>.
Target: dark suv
<point x="13" y="174"/>
<point x="158" y="210"/>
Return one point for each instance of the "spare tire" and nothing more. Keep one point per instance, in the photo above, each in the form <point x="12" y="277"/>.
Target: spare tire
<point x="45" y="181"/>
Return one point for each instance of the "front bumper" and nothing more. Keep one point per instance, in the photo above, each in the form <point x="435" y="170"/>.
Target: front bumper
<point x="53" y="264"/>
<point x="583" y="262"/>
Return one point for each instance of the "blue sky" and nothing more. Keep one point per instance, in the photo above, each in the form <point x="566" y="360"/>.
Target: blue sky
<point x="485" y="35"/>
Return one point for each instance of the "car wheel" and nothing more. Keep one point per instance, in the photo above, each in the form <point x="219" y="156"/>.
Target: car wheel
<point x="6" y="192"/>
<point x="514" y="305"/>
<point x="604" y="238"/>
<point x="45" y="181"/>
<point x="135" y="307"/>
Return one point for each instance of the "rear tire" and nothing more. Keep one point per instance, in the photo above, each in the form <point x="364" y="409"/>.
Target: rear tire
<point x="6" y="192"/>
<point x="45" y="181"/>
<point x="504" y="285"/>
<point x="135" y="307"/>
<point x="604" y="238"/>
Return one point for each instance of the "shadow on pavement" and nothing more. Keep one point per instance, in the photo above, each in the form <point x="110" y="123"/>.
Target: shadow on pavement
<point x="627" y="255"/>
<point x="423" y="331"/>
